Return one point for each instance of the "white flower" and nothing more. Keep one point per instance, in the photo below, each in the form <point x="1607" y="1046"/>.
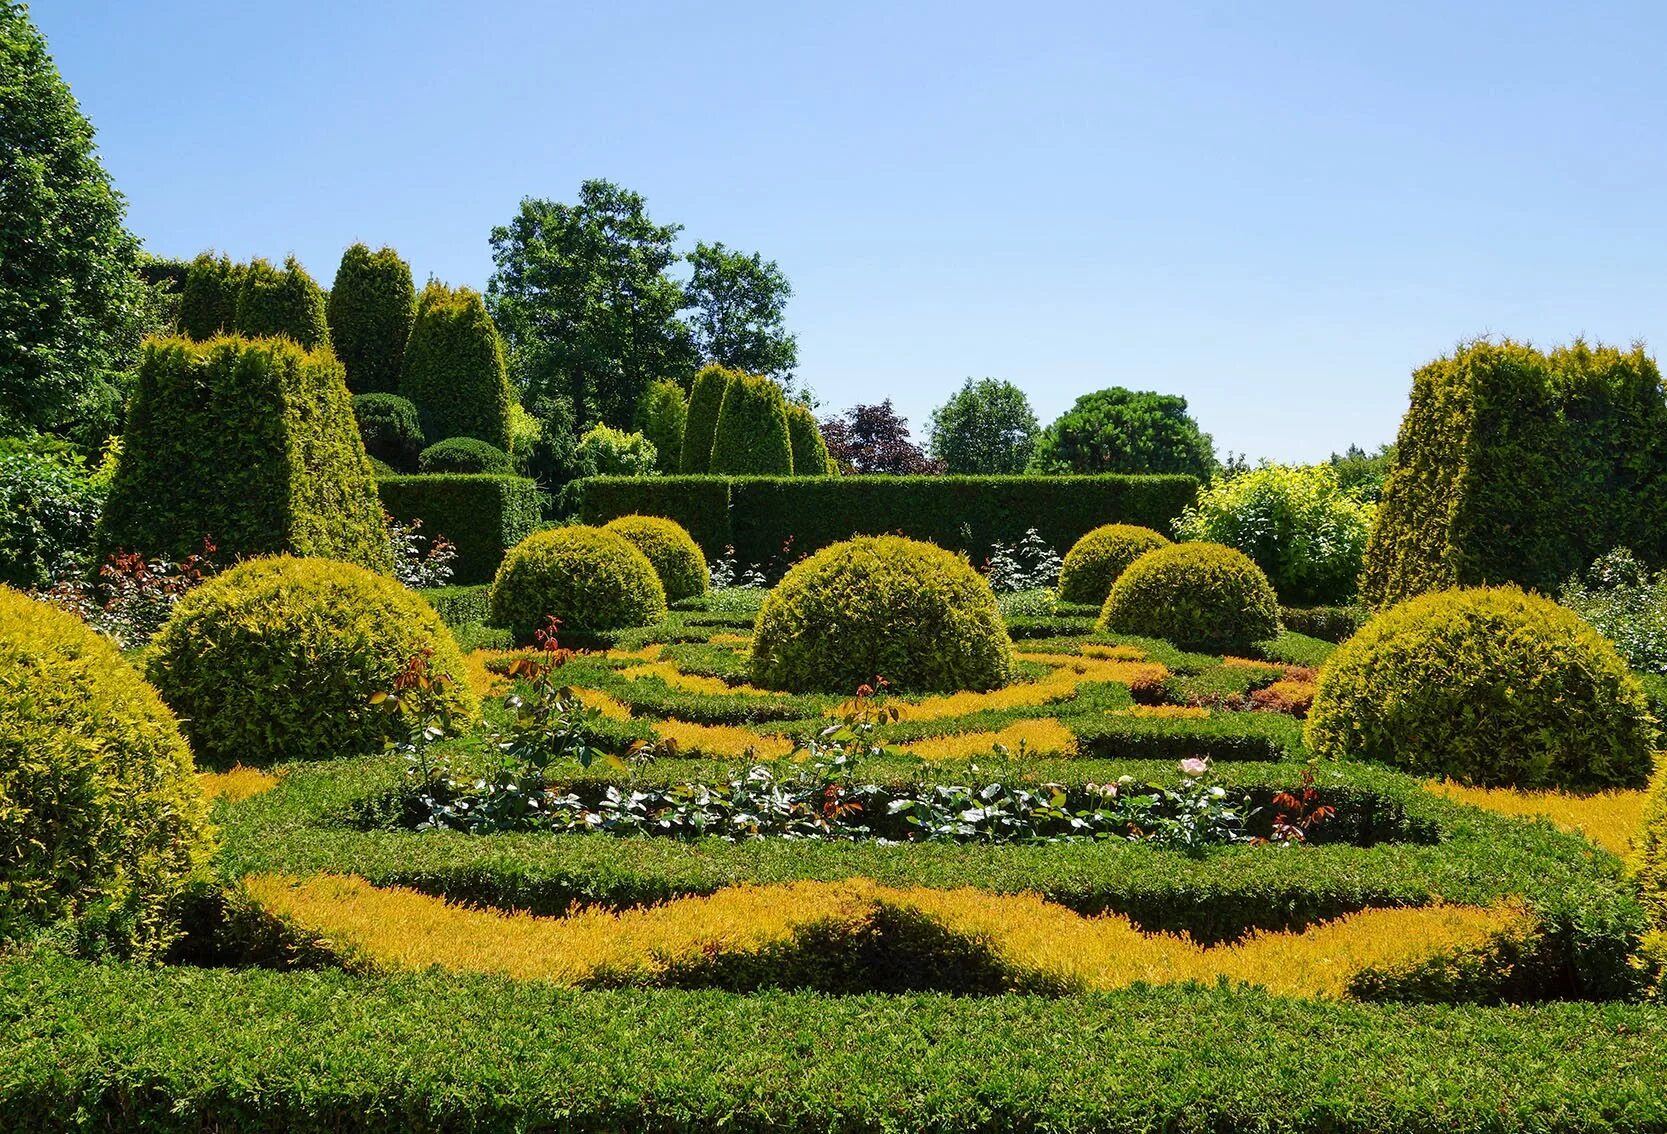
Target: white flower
<point x="1194" y="767"/>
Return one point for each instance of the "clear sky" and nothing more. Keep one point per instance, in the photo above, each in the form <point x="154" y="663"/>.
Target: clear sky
<point x="1275" y="210"/>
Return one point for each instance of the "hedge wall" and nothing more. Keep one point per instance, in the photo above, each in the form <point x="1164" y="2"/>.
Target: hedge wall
<point x="1514" y="465"/>
<point x="252" y="442"/>
<point x="967" y="513"/>
<point x="483" y="514"/>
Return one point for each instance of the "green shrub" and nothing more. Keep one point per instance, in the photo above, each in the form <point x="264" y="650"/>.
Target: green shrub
<point x="661" y="415"/>
<point x="482" y="515"/>
<point x="464" y="455"/>
<point x="49" y="508"/>
<point x="751" y="435"/>
<point x="1296" y="523"/>
<point x="100" y="813"/>
<point x="277" y="659"/>
<point x="1514" y="465"/>
<point x="699" y="504"/>
<point x="606" y="451"/>
<point x="706" y="399"/>
<point x="250" y="442"/>
<point x="591" y="579"/>
<point x="881" y="606"/>
<point x="1098" y="558"/>
<point x="669" y="547"/>
<point x="1488" y="686"/>
<point x="460" y="606"/>
<point x="1125" y="431"/>
<point x="390" y="430"/>
<point x="454" y="370"/>
<point x="287" y="301"/>
<point x="1649" y="856"/>
<point x="370" y="309"/>
<point x="1327" y="623"/>
<point x="1197" y="595"/>
<point x="208" y="302"/>
<point x="1627" y="604"/>
<point x="810" y="451"/>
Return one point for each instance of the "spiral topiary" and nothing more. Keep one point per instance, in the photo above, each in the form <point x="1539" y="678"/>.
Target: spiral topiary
<point x="676" y="557"/>
<point x="278" y="658"/>
<point x="1098" y="558"/>
<point x="592" y="579"/>
<point x="884" y="606"/>
<point x="1199" y="595"/>
<point x="1491" y="686"/>
<point x="100" y="812"/>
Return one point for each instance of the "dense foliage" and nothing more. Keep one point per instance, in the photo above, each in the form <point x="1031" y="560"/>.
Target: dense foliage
<point x="208" y="301"/>
<point x="676" y="557"/>
<point x="1488" y="686"/>
<point x="371" y="307"/>
<point x="810" y="451"/>
<point x="390" y="429"/>
<point x="986" y="427"/>
<point x="464" y="455"/>
<point x="751" y="437"/>
<point x="1125" y="431"/>
<point x="282" y="301"/>
<point x="736" y="318"/>
<point x="1096" y="560"/>
<point x="100" y="815"/>
<point x="1297" y="523"/>
<point x="1649" y="859"/>
<point x="482" y="515"/>
<point x="1626" y="603"/>
<point x="660" y="417"/>
<point x="453" y="370"/>
<point x="1194" y="594"/>
<point x="588" y="578"/>
<point x="606" y="451"/>
<point x="706" y="399"/>
<point x="874" y="439"/>
<point x="278" y="658"/>
<point x="49" y="506"/>
<point x="881" y="607"/>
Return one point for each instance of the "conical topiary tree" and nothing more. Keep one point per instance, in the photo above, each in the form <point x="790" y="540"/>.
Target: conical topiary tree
<point x="372" y="304"/>
<point x="751" y="438"/>
<point x="454" y="368"/>
<point x="810" y="451"/>
<point x="282" y="301"/>
<point x="705" y="400"/>
<point x="661" y="416"/>
<point x="208" y="301"/>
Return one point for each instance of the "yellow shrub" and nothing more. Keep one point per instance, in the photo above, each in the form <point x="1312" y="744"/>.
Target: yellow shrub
<point x="1042" y="736"/>
<point x="237" y="784"/>
<point x="689" y="682"/>
<point x="1115" y="653"/>
<point x="725" y="742"/>
<point x="604" y="704"/>
<point x="1059" y="684"/>
<point x="1608" y="818"/>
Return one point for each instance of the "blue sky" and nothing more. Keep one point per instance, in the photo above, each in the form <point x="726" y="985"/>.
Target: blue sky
<point x="1276" y="211"/>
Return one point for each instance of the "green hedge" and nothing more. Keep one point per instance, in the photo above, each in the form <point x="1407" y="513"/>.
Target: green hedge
<point x="370" y="309"/>
<point x="483" y="514"/>
<point x="208" y="301"/>
<point x="282" y="301"/>
<point x="760" y="513"/>
<point x="86" y="1046"/>
<point x="252" y="442"/>
<point x="459" y="606"/>
<point x="453" y="369"/>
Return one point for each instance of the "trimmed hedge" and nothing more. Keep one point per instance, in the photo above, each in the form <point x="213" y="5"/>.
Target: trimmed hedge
<point x="208" y="301"/>
<point x="1649" y="859"/>
<point x="389" y="427"/>
<point x="810" y="451"/>
<point x="454" y="369"/>
<point x="483" y="515"/>
<point x="706" y="399"/>
<point x="757" y="514"/>
<point x="661" y="413"/>
<point x="287" y="301"/>
<point x="370" y="309"/>
<point x="251" y="442"/>
<point x="1327" y="623"/>
<point x="464" y="455"/>
<point x="459" y="606"/>
<point x="751" y="435"/>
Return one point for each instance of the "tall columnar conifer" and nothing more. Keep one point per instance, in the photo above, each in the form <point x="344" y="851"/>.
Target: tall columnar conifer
<point x="751" y="438"/>
<point x="282" y="301"/>
<point x="705" y="400"/>
<point x="454" y="368"/>
<point x="810" y="451"/>
<point x="208" y="301"/>
<point x="661" y="416"/>
<point x="371" y="307"/>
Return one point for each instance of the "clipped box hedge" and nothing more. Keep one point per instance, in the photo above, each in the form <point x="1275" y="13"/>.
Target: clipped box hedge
<point x="483" y="514"/>
<point x="757" y="515"/>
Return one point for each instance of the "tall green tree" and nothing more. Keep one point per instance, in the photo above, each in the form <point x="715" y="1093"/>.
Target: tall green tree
<point x="583" y="298"/>
<point x="986" y="427"/>
<point x="282" y="301"/>
<point x="1125" y="431"/>
<point x="371" y="306"/>
<point x="737" y="303"/>
<point x="660" y="417"/>
<point x="706" y="398"/>
<point x="751" y="438"/>
<point x="72" y="306"/>
<point x="454" y="368"/>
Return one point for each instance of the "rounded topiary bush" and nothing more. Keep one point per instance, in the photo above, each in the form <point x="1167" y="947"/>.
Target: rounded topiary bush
<point x="278" y="658"/>
<point x="1098" y="558"/>
<point x="884" y="606"/>
<point x="389" y="428"/>
<point x="464" y="455"/>
<point x="100" y="812"/>
<point x="1488" y="686"/>
<point x="1199" y="595"/>
<point x="593" y="580"/>
<point x="676" y="557"/>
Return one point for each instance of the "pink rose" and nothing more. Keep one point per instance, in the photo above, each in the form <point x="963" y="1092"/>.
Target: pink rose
<point x="1194" y="767"/>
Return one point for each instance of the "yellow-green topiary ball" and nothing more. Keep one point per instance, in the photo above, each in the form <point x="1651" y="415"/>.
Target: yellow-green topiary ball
<point x="592" y="579"/>
<point x="1098" y="558"/>
<point x="676" y="557"/>
<point x="278" y="658"/>
<point x="884" y="606"/>
<point x="1491" y="686"/>
<point x="1199" y="595"/>
<point x="100" y="812"/>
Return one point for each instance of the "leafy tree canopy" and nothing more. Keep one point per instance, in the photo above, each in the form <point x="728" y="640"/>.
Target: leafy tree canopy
<point x="737" y="303"/>
<point x="1125" y="431"/>
<point x="986" y="427"/>
<point x="874" y="439"/>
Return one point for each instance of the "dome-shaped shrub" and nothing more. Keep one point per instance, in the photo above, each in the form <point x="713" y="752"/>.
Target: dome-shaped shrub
<point x="1199" y="595"/>
<point x="389" y="428"/>
<point x="676" y="557"/>
<point x="99" y="806"/>
<point x="1098" y="558"/>
<point x="278" y="658"/>
<point x="592" y="579"/>
<point x="1488" y="686"/>
<point x="885" y="606"/>
<point x="464" y="455"/>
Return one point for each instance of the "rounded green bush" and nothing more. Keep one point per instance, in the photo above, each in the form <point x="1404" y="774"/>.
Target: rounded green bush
<point x="1098" y="558"/>
<point x="676" y="557"/>
<point x="1492" y="686"/>
<point x="592" y="579"/>
<point x="1199" y="595"/>
<point x="464" y="455"/>
<point x="389" y="428"/>
<point x="881" y="606"/>
<point x="278" y="658"/>
<point x="100" y="812"/>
